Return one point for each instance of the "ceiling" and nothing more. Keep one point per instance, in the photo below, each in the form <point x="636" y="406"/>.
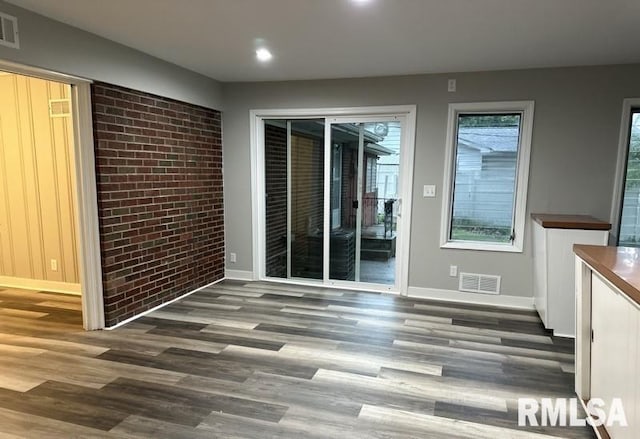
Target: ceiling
<point x="312" y="39"/>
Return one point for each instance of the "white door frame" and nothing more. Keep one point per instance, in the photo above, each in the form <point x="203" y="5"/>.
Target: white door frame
<point x="408" y="115"/>
<point x="86" y="190"/>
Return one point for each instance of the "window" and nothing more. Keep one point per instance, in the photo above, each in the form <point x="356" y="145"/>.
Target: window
<point x="629" y="227"/>
<point x="371" y="171"/>
<point x="486" y="176"/>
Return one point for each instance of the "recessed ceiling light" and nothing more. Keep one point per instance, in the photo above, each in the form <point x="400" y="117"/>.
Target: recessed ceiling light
<point x="263" y="55"/>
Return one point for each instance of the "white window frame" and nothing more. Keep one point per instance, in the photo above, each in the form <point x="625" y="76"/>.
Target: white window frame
<point x="525" y="108"/>
<point x="621" y="168"/>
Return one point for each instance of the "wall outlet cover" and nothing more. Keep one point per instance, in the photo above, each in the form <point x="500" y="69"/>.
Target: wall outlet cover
<point x="429" y="191"/>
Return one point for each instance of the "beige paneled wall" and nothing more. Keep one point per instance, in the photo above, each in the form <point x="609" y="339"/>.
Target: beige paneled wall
<point x="37" y="185"/>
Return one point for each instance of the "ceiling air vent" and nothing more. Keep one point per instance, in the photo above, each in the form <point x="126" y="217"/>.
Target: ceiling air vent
<point x="479" y="283"/>
<point x="9" y="31"/>
<point x="59" y="107"/>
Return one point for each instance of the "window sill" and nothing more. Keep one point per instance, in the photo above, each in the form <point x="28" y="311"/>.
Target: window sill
<point x="478" y="246"/>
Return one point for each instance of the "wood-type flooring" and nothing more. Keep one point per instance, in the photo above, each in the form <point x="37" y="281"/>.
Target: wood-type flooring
<point x="266" y="360"/>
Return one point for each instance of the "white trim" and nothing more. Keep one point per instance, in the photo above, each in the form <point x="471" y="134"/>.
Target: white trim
<point x="405" y="204"/>
<point x="333" y="285"/>
<point x="359" y="189"/>
<point x="23" y="69"/>
<point x="621" y="165"/>
<point x="558" y="334"/>
<point x="500" y="300"/>
<point x="40" y="285"/>
<point x="335" y="115"/>
<point x="321" y="113"/>
<point x="522" y="178"/>
<point x="326" y="205"/>
<point x="86" y="191"/>
<point x="162" y="305"/>
<point x="87" y="202"/>
<point x="238" y="275"/>
<point x="483" y="246"/>
<point x="256" y="131"/>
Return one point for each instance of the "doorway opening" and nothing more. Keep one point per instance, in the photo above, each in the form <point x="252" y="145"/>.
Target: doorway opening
<point x="333" y="188"/>
<point x="38" y="239"/>
<point x="49" y="246"/>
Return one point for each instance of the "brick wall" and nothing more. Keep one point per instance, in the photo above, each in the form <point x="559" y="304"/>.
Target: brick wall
<point x="160" y="202"/>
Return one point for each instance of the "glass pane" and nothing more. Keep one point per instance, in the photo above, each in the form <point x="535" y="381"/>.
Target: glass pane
<point x="294" y="198"/>
<point x="275" y="153"/>
<point x="344" y="201"/>
<point x="630" y="217"/>
<point x="365" y="188"/>
<point x="485" y="177"/>
<point x="379" y="221"/>
<point x="307" y="198"/>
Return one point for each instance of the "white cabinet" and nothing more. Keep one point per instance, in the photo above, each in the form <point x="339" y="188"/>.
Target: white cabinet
<point x="608" y="333"/>
<point x="553" y="265"/>
<point x="614" y="354"/>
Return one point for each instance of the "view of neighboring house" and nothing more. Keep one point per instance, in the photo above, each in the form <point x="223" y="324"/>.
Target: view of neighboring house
<point x="485" y="177"/>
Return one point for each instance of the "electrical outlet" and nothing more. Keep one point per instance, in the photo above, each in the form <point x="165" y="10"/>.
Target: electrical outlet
<point x="54" y="265"/>
<point x="453" y="270"/>
<point x="451" y="85"/>
<point x="233" y="258"/>
<point x="429" y="191"/>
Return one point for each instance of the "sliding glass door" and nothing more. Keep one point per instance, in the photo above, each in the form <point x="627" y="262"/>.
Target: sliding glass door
<point x="332" y="199"/>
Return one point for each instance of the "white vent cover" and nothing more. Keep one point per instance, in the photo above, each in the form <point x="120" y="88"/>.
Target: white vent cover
<point x="9" y="31"/>
<point x="59" y="107"/>
<point x="479" y="283"/>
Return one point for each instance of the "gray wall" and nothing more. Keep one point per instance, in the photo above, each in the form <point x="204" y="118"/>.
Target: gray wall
<point x="52" y="45"/>
<point x="575" y="135"/>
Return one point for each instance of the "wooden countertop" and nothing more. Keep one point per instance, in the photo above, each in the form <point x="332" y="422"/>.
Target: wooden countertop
<point x="619" y="265"/>
<point x="561" y="221"/>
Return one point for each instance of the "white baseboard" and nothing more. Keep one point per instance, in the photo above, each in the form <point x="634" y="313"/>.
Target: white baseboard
<point x="473" y="298"/>
<point x="162" y="305"/>
<point x="41" y="285"/>
<point x="238" y="275"/>
<point x="558" y="334"/>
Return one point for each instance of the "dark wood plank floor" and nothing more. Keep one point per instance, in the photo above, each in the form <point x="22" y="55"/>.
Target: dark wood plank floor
<point x="262" y="360"/>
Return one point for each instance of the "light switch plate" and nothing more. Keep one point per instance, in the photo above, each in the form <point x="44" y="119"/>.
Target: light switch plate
<point x="429" y="191"/>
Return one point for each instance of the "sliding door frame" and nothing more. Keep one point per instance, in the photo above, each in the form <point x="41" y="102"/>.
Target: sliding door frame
<point x="406" y="113"/>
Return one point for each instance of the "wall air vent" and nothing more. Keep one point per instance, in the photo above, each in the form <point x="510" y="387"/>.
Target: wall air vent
<point x="9" y="31"/>
<point x="479" y="283"/>
<point x="59" y="107"/>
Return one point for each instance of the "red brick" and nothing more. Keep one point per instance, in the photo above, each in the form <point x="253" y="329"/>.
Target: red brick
<point x="159" y="179"/>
